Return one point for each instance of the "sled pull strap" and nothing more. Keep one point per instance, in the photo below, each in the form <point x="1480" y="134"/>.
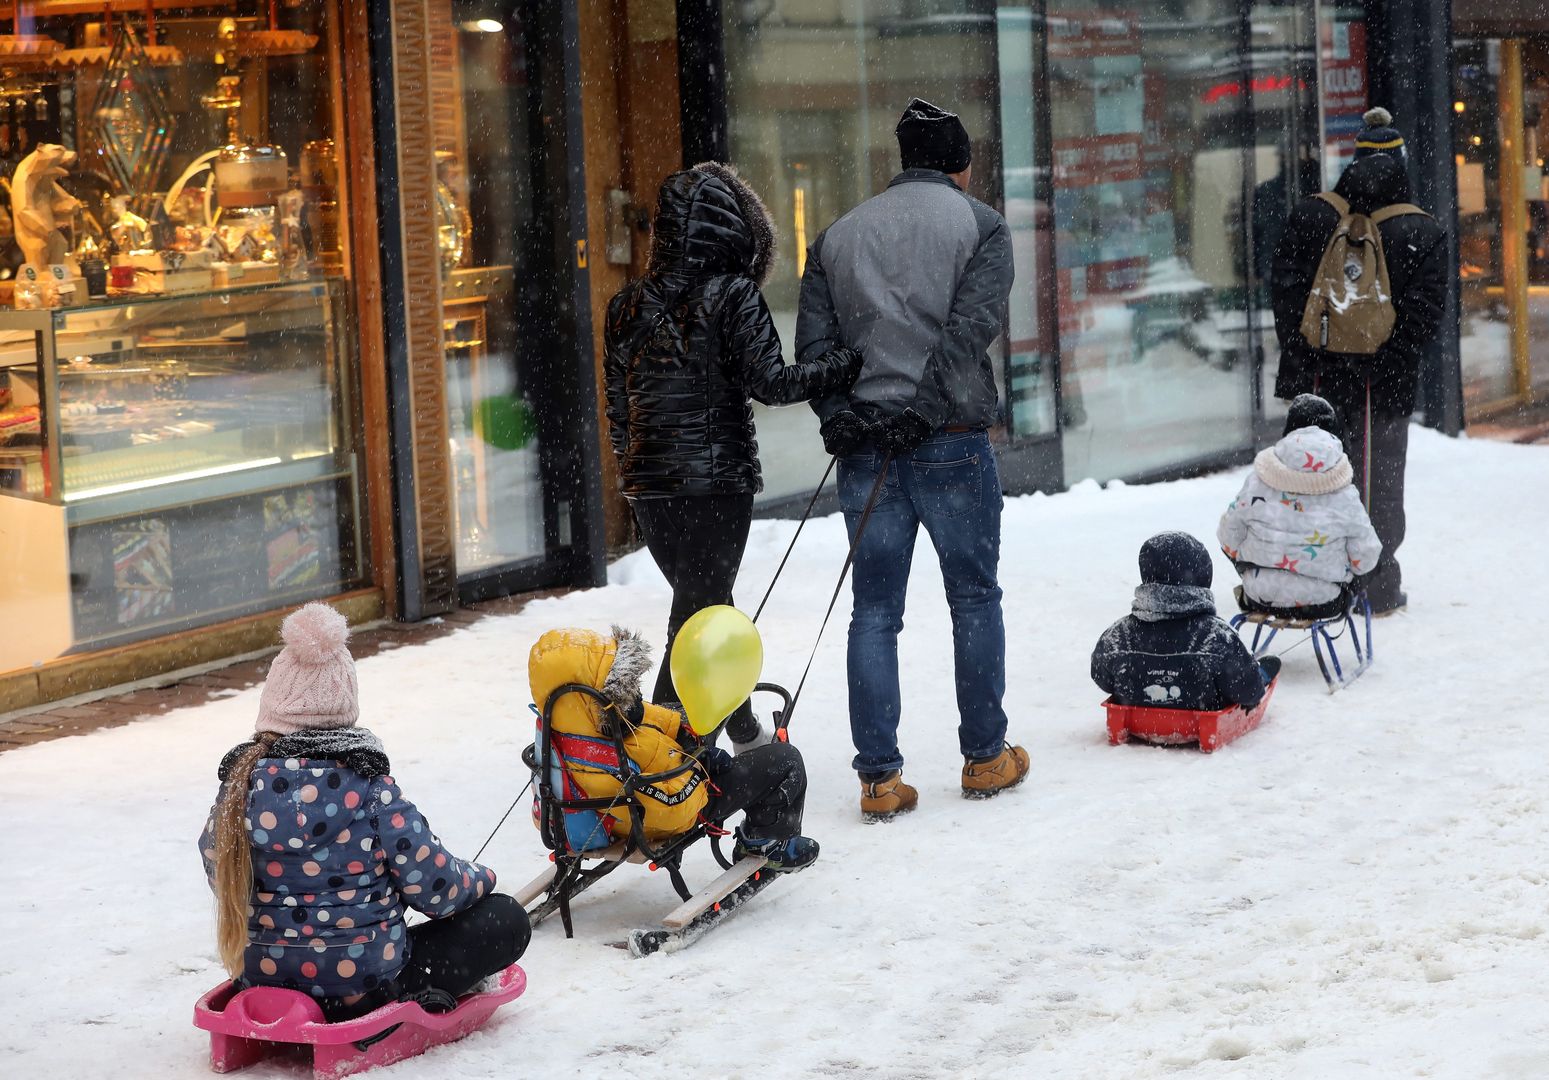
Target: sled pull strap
<point x="844" y="572"/>
<point x="800" y="525"/>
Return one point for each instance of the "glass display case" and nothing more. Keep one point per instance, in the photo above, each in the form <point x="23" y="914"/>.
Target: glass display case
<point x="178" y="424"/>
<point x="191" y="454"/>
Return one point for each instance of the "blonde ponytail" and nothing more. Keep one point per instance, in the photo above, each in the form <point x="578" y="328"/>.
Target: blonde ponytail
<point x="234" y="857"/>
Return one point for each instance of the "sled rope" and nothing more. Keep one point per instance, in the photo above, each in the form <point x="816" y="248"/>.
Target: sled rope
<point x="802" y="524"/>
<point x="844" y="572"/>
<point x="502" y="821"/>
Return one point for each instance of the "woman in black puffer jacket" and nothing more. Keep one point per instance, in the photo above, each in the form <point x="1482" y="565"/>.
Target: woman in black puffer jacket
<point x="689" y="346"/>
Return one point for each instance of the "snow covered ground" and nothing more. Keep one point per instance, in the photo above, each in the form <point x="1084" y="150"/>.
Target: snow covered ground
<point x="1357" y="889"/>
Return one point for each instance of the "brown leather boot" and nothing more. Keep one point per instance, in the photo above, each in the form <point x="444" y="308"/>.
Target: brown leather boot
<point x="885" y="799"/>
<point x="987" y="779"/>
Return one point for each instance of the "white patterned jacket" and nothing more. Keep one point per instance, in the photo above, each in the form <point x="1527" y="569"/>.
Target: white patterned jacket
<point x="1297" y="531"/>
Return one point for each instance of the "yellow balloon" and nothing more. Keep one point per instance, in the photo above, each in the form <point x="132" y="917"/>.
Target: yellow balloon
<point x="716" y="661"/>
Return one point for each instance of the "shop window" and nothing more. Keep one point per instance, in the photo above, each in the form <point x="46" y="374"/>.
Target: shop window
<point x="1284" y="89"/>
<point x="1154" y="303"/>
<point x="486" y="217"/>
<point x="814" y="91"/>
<point x="1501" y="133"/>
<point x="176" y="362"/>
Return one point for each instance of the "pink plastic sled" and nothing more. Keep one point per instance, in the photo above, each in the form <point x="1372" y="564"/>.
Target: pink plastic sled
<point x="247" y="1026"/>
<point x="1211" y="730"/>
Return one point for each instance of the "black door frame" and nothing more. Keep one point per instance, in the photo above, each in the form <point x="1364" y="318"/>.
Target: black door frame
<point x="558" y="349"/>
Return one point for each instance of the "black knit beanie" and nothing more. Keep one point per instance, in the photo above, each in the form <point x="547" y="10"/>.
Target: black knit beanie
<point x="932" y="138"/>
<point x="1174" y="558"/>
<point x="1380" y="136"/>
<point x="1309" y="410"/>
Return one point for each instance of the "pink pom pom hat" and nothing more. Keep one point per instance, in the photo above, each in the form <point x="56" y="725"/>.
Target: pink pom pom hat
<point x="311" y="683"/>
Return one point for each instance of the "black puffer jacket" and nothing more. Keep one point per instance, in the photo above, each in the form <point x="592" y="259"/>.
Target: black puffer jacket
<point x="1172" y="650"/>
<point x="1416" y="258"/>
<point x="692" y="342"/>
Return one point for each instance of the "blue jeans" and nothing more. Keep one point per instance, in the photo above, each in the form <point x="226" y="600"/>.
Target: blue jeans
<point x="952" y="487"/>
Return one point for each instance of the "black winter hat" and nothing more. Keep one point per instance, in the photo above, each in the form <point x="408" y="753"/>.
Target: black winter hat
<point x="932" y="138"/>
<point x="1380" y="136"/>
<point x="1175" y="558"/>
<point x="1309" y="410"/>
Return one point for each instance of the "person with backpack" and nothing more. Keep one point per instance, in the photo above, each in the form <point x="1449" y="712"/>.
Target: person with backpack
<point x="688" y="347"/>
<point x="315" y="856"/>
<point x="1359" y="290"/>
<point x="916" y="279"/>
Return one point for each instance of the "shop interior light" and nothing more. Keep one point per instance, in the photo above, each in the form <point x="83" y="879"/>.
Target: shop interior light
<point x="194" y="474"/>
<point x="1476" y="140"/>
<point x="800" y="213"/>
<point x="1459" y="107"/>
<point x="483" y="26"/>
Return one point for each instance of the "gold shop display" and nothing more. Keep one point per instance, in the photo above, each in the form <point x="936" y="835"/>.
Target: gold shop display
<point x="454" y="226"/>
<point x="320" y="215"/>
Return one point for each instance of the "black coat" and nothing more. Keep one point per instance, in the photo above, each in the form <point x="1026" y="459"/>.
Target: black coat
<point x="1417" y="272"/>
<point x="1194" y="661"/>
<point x="690" y="344"/>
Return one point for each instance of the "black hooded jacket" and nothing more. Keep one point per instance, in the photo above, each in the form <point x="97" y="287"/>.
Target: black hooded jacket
<point x="1416" y="258"/>
<point x="1172" y="650"/>
<point x="690" y="343"/>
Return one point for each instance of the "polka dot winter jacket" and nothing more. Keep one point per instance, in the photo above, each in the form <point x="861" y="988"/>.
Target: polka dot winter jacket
<point x="337" y="853"/>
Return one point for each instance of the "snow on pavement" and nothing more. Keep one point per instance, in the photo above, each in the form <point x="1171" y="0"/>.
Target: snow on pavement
<point x="1356" y="889"/>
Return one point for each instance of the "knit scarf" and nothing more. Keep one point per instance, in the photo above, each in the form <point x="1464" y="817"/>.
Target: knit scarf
<point x="1157" y="602"/>
<point x="356" y="747"/>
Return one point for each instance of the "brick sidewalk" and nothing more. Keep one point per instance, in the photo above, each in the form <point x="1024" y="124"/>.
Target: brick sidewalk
<point x="115" y="709"/>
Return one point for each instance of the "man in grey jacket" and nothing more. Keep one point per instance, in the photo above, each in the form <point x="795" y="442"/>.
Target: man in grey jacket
<point x="916" y="280"/>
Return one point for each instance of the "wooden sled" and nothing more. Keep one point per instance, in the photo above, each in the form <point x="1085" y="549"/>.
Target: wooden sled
<point x="571" y="872"/>
<point x="1355" y="623"/>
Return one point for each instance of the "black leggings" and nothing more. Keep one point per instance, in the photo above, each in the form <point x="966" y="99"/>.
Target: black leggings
<point x="453" y="954"/>
<point x="697" y="541"/>
<point x="769" y="783"/>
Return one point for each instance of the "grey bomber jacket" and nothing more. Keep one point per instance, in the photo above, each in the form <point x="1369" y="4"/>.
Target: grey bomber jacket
<point x="916" y="280"/>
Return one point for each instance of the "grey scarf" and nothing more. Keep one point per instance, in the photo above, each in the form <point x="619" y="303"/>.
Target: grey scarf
<point x="1157" y="603"/>
<point x="358" y="748"/>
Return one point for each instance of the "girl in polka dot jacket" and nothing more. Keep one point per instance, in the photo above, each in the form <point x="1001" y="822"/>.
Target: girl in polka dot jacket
<point x="313" y="853"/>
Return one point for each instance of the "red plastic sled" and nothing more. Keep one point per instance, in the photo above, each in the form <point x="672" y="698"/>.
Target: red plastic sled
<point x="248" y="1026"/>
<point x="1212" y="730"/>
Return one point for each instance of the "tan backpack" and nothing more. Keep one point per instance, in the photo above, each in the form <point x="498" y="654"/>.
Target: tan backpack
<point x="1350" y="307"/>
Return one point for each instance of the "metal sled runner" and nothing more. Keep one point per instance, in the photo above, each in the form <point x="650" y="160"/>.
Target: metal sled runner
<point x="1355" y="623"/>
<point x="573" y="869"/>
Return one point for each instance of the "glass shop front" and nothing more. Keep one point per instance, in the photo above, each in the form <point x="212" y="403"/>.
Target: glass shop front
<point x="179" y="426"/>
<point x="1143" y="156"/>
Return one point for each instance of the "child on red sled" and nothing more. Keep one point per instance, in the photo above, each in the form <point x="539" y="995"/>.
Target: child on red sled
<point x="1172" y="650"/>
<point x="767" y="783"/>
<point x="1297" y="532"/>
<point x="313" y="853"/>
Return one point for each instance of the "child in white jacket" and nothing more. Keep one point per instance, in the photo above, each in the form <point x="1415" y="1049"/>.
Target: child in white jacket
<point x="1297" y="531"/>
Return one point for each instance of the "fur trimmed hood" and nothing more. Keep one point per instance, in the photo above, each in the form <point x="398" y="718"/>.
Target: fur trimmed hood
<point x="708" y="220"/>
<point x="613" y="663"/>
<point x="1308" y="461"/>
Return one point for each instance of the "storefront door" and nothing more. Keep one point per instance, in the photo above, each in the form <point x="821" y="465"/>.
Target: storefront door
<point x="501" y="391"/>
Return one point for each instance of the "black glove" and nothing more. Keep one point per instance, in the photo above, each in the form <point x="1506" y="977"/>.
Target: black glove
<point x="901" y="435"/>
<point x="844" y="433"/>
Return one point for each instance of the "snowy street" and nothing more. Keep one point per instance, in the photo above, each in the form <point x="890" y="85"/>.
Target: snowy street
<point x="1360" y="888"/>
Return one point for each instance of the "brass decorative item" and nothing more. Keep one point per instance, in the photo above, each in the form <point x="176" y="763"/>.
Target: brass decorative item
<point x="454" y="225"/>
<point x="131" y="120"/>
